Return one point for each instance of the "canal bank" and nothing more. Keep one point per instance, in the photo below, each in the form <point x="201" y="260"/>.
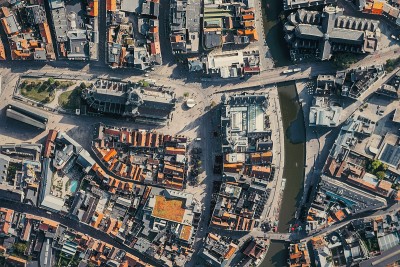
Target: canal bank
<point x="294" y="144"/>
<point x="293" y="125"/>
<point x="293" y="172"/>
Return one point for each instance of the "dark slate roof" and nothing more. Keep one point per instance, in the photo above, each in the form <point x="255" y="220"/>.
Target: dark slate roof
<point x="347" y="36"/>
<point x="309" y="31"/>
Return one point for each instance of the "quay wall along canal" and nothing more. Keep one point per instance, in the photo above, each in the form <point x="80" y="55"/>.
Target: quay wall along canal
<point x="294" y="128"/>
<point x="293" y="172"/>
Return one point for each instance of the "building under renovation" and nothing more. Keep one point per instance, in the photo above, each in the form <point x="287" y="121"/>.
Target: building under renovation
<point x="322" y="33"/>
<point x="152" y="105"/>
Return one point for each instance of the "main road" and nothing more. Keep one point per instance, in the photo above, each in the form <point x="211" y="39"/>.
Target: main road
<point x="303" y="237"/>
<point x="70" y="223"/>
<point x="172" y="78"/>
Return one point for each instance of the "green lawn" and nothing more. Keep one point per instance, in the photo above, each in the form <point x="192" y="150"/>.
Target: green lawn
<point x="41" y="90"/>
<point x="70" y="99"/>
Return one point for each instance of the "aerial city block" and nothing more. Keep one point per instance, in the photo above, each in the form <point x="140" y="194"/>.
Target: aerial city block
<point x="195" y="133"/>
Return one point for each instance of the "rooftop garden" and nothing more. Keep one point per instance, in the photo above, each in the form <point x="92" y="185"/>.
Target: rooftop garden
<point x="168" y="209"/>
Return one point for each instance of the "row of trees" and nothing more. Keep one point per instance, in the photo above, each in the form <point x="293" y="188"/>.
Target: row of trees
<point x="391" y="64"/>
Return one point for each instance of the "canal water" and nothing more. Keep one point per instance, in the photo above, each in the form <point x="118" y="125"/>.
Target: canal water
<point x="293" y="123"/>
<point x="293" y="172"/>
<point x="274" y="34"/>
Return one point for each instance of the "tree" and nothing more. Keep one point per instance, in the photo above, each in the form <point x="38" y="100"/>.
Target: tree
<point x="374" y="166"/>
<point x="19" y="248"/>
<point x="344" y="60"/>
<point x="82" y="85"/>
<point x="384" y="167"/>
<point x="213" y="104"/>
<point x="144" y="83"/>
<point x="329" y="259"/>
<point x="391" y="64"/>
<point x="11" y="171"/>
<point x="57" y="83"/>
<point x="380" y="175"/>
<point x="43" y="87"/>
<point x="50" y="80"/>
<point x="186" y="94"/>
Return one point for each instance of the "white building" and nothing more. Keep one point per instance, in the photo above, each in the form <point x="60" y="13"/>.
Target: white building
<point x="323" y="113"/>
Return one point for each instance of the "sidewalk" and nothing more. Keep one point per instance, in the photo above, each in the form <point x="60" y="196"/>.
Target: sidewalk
<point x="272" y="206"/>
<point x="266" y="59"/>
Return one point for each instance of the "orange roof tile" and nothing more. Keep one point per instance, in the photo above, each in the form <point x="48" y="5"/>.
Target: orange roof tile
<point x="50" y="223"/>
<point x="340" y="215"/>
<point x="168" y="209"/>
<point x="185" y="232"/>
<point x="17" y="261"/>
<point x="385" y="185"/>
<point x="111" y="5"/>
<point x="5" y="225"/>
<point x="175" y="151"/>
<point x="214" y="237"/>
<point x="112" y="153"/>
<point x="97" y="222"/>
<point x="377" y="5"/>
<point x="248" y="16"/>
<point x="94" y="8"/>
<point x="2" y="51"/>
<point x="45" y="32"/>
<point x="231" y="251"/>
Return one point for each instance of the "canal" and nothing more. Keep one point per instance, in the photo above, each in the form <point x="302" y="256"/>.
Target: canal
<point x="274" y="34"/>
<point x="293" y="123"/>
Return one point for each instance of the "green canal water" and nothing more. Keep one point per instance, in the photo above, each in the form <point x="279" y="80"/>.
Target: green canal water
<point x="293" y="172"/>
<point x="293" y="123"/>
<point x="274" y="34"/>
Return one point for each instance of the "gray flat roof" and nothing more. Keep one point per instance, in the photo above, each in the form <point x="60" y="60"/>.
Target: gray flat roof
<point x="29" y="111"/>
<point x="387" y="257"/>
<point x="4" y="161"/>
<point x="193" y="15"/>
<point x="11" y="113"/>
<point x="391" y="155"/>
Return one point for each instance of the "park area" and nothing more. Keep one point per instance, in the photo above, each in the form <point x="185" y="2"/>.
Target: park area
<point x="43" y="91"/>
<point x="70" y="99"/>
<point x="53" y="92"/>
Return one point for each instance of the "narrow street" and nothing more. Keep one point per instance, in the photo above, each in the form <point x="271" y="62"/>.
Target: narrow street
<point x="102" y="34"/>
<point x="77" y="226"/>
